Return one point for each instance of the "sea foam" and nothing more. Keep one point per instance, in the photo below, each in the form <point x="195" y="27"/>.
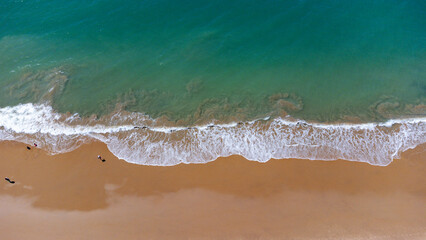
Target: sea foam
<point x="137" y="139"/>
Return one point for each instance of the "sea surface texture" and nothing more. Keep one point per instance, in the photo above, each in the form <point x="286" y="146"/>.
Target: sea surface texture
<point x="164" y="82"/>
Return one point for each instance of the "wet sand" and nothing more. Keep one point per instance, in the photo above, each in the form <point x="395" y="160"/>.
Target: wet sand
<point x="76" y="196"/>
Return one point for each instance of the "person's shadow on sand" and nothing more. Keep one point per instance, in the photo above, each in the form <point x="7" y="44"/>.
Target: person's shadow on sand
<point x="7" y="179"/>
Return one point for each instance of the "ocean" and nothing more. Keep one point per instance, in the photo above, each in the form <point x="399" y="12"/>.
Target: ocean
<point x="166" y="82"/>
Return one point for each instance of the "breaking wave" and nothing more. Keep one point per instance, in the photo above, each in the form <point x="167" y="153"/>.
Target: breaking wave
<point x="138" y="139"/>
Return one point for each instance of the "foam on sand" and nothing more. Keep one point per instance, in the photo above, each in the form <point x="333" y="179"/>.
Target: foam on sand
<point x="138" y="139"/>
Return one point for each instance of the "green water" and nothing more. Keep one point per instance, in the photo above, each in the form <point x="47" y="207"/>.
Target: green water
<point x="224" y="60"/>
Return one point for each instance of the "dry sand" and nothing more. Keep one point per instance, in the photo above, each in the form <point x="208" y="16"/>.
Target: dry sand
<point x="76" y="196"/>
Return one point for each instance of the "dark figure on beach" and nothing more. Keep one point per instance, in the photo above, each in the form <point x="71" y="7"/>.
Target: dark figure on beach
<point x="35" y="144"/>
<point x="7" y="179"/>
<point x="28" y="148"/>
<point x="100" y="158"/>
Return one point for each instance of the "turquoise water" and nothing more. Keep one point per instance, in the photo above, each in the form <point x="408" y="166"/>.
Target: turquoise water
<point x="224" y="60"/>
<point x="164" y="82"/>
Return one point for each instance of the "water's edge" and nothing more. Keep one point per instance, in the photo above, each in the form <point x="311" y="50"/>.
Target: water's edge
<point x="138" y="139"/>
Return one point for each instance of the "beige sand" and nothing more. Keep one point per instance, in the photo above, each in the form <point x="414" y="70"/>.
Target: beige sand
<point x="76" y="196"/>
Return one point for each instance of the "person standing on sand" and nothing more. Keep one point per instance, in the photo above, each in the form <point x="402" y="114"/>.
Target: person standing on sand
<point x="100" y="158"/>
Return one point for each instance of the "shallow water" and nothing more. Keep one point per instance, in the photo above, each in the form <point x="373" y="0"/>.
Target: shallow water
<point x="138" y="139"/>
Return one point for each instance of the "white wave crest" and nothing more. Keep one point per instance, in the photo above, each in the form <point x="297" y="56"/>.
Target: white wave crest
<point x="260" y="140"/>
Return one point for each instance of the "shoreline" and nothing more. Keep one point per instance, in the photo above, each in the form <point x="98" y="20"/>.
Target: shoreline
<point x="75" y="195"/>
<point x="261" y="140"/>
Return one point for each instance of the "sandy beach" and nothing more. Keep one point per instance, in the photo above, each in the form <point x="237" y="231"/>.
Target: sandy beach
<point x="214" y="120"/>
<point x="76" y="196"/>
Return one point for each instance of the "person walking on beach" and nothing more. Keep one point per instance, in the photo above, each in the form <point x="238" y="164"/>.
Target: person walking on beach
<point x="100" y="158"/>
